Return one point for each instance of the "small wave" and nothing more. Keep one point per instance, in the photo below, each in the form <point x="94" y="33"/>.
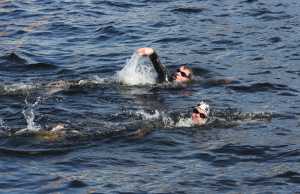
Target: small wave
<point x="16" y="89"/>
<point x="173" y="39"/>
<point x="77" y="184"/>
<point x="226" y="42"/>
<point x="108" y="32"/>
<point x="291" y="176"/>
<point x="63" y="73"/>
<point x="258" y="12"/>
<point x="49" y="89"/>
<point x="276" y="18"/>
<point x="119" y="4"/>
<point x="42" y="66"/>
<point x="12" y="60"/>
<point x="261" y="87"/>
<point x="294" y="72"/>
<point x="63" y="27"/>
<point x="287" y="94"/>
<point x="258" y="58"/>
<point x="34" y="152"/>
<point x="275" y="39"/>
<point x="249" y="1"/>
<point x="243" y="150"/>
<point x="189" y="9"/>
<point x="260" y="73"/>
<point x="268" y="15"/>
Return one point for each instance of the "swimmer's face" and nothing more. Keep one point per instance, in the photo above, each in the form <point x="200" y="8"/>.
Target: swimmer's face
<point x="182" y="74"/>
<point x="200" y="114"/>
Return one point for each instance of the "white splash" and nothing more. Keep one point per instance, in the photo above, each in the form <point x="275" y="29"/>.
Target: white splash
<point x="184" y="122"/>
<point x="3" y="127"/>
<point x="2" y="123"/>
<point x="136" y="73"/>
<point x="29" y="115"/>
<point x="97" y="80"/>
<point x="148" y="116"/>
<point x="167" y="121"/>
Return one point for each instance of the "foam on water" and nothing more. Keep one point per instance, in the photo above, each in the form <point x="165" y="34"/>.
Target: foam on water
<point x="184" y="122"/>
<point x="136" y="73"/>
<point x="165" y="119"/>
<point x="17" y="88"/>
<point x="99" y="80"/>
<point x="148" y="116"/>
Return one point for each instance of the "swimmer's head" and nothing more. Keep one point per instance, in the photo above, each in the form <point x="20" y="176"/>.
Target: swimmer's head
<point x="182" y="74"/>
<point x="200" y="113"/>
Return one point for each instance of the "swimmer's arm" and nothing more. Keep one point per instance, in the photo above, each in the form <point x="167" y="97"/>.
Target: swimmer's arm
<point x="161" y="70"/>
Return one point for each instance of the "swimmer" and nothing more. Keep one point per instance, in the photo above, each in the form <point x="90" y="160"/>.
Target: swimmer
<point x="200" y="114"/>
<point x="182" y="75"/>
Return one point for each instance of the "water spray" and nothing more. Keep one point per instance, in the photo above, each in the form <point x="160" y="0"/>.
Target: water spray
<point x="136" y="73"/>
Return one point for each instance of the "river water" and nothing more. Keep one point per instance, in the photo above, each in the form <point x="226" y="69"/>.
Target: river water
<point x="59" y="64"/>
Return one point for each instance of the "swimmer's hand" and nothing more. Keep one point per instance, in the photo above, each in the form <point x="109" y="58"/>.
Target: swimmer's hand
<point x="144" y="52"/>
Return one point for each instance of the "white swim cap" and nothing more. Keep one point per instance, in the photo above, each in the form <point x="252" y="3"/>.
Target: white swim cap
<point x="204" y="107"/>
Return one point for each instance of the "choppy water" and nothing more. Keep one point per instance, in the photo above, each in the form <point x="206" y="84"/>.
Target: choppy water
<point x="250" y="145"/>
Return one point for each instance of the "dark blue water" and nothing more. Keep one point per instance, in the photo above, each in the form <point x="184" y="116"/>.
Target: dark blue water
<point x="250" y="145"/>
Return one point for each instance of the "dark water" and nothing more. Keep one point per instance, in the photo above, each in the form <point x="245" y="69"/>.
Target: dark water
<point x="250" y="145"/>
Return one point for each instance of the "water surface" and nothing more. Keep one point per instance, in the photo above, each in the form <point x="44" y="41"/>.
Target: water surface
<point x="250" y="145"/>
